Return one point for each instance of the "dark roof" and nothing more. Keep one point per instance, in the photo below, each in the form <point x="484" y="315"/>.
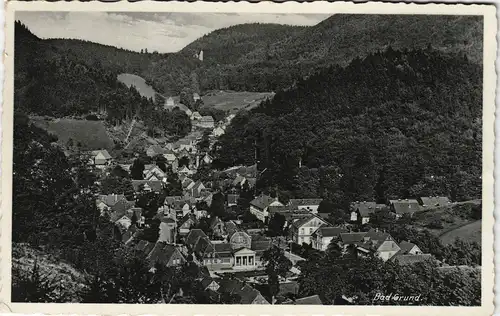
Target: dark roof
<point x="295" y="203"/>
<point x="405" y="206"/>
<point x="223" y="250"/>
<point x="434" y="200"/>
<point x="262" y="201"/>
<point x="205" y="282"/>
<point x="406" y="246"/>
<point x="111" y="199"/>
<point x="260" y="245"/>
<point x="162" y="253"/>
<point x="412" y="259"/>
<point x="155" y="185"/>
<point x="237" y="287"/>
<point x="193" y="235"/>
<point x="331" y="231"/>
<point x="186" y="218"/>
<point x="231" y="227"/>
<point x="277" y="209"/>
<point x="350" y="238"/>
<point x="366" y="208"/>
<point x="310" y="300"/>
<point x="171" y="199"/>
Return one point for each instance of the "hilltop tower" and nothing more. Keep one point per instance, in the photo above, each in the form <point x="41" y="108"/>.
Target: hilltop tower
<point x="200" y="55"/>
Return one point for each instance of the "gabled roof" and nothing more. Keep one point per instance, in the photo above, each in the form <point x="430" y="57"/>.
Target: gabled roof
<point x="205" y="282"/>
<point x="434" y="200"/>
<point x="302" y="221"/>
<point x="122" y="206"/>
<point x="330" y="231"/>
<point x="260" y="245"/>
<point x="406" y="246"/>
<point x="233" y="286"/>
<point x="111" y="199"/>
<point x="405" y="206"/>
<point x="366" y="208"/>
<point x="262" y="201"/>
<point x="186" y="218"/>
<point x="223" y="250"/>
<point x="299" y="202"/>
<point x="155" y="185"/>
<point x="310" y="300"/>
<point x="277" y="209"/>
<point x="103" y="152"/>
<point x="412" y="259"/>
<point x="198" y="185"/>
<point x="350" y="238"/>
<point x="162" y="253"/>
<point x="193" y="236"/>
<point x="171" y="199"/>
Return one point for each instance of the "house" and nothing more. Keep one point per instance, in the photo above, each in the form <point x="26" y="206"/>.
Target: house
<point x="165" y="254"/>
<point x="186" y="223"/>
<point x="100" y="158"/>
<point x="196" y="97"/>
<point x="153" y="172"/>
<point x="148" y="185"/>
<point x="196" y="189"/>
<point x="192" y="237"/>
<point x="185" y="171"/>
<point x="120" y="209"/>
<point x="218" y="131"/>
<point x="247" y="295"/>
<point x="167" y="230"/>
<point x="232" y="199"/>
<point x="209" y="283"/>
<point x="169" y="103"/>
<point x="302" y="229"/>
<point x="433" y="201"/>
<point x="185" y="146"/>
<point x="170" y="156"/>
<point x="408" y="248"/>
<point x="380" y="243"/>
<point x="311" y="205"/>
<point x="196" y="116"/>
<point x="104" y="202"/>
<point x="361" y="211"/>
<point x="260" y="205"/>
<point x="323" y="236"/>
<point x="155" y="150"/>
<point x="309" y="300"/>
<point x="404" y="206"/>
<point x="206" y="122"/>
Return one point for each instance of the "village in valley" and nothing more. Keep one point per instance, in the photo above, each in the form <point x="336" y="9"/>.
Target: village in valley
<point x="294" y="173"/>
<point x="227" y="238"/>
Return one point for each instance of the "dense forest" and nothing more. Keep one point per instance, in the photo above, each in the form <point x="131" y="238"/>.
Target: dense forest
<point x="60" y="83"/>
<point x="268" y="57"/>
<point x="394" y="124"/>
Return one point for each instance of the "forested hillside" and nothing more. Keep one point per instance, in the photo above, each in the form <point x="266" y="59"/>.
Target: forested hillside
<point x="72" y="82"/>
<point x="394" y="124"/>
<point x="269" y="57"/>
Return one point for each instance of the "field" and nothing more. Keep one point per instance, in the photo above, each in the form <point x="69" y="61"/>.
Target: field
<point x="90" y="134"/>
<point x="139" y="84"/>
<point x="469" y="232"/>
<point x="235" y="101"/>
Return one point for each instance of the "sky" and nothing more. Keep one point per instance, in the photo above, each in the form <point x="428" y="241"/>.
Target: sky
<point x="162" y="32"/>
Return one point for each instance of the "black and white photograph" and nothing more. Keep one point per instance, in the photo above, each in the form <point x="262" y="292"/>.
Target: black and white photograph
<point x="250" y="158"/>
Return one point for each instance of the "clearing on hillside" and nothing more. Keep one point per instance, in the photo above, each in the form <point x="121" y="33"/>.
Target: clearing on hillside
<point x="469" y="232"/>
<point x="235" y="101"/>
<point x="139" y="84"/>
<point x="90" y="134"/>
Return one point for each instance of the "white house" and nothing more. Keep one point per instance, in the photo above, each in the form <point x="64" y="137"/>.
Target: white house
<point x="324" y="235"/>
<point x="302" y="229"/>
<point x="259" y="206"/>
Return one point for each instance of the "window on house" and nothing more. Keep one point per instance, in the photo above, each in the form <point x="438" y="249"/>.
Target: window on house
<point x="302" y="230"/>
<point x="310" y="230"/>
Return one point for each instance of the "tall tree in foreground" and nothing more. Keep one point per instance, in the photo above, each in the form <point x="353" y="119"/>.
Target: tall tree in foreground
<point x="277" y="265"/>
